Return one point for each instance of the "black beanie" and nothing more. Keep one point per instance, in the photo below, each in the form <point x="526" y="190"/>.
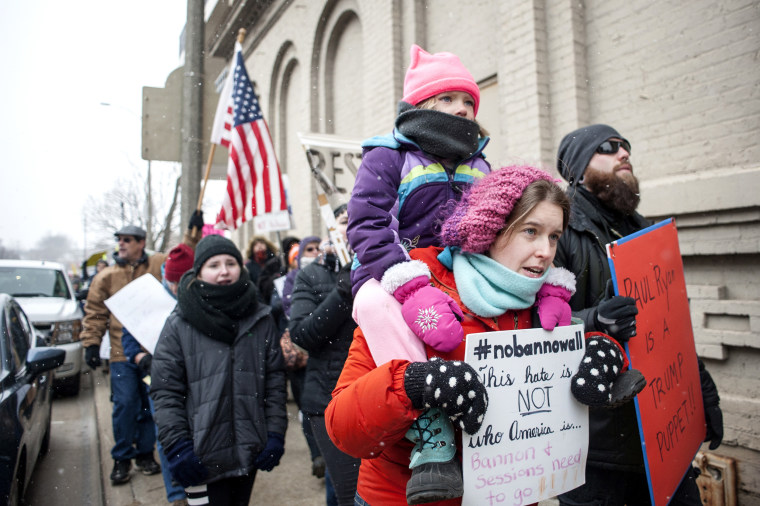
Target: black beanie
<point x="577" y="148"/>
<point x="212" y="245"/>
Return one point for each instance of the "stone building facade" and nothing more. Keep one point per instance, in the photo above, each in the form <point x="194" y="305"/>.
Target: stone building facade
<point x="681" y="80"/>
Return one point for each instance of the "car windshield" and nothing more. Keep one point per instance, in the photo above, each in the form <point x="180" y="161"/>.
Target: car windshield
<point x="32" y="282"/>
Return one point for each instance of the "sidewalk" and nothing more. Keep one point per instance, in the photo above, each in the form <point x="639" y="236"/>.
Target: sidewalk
<point x="290" y="483"/>
<point x="140" y="489"/>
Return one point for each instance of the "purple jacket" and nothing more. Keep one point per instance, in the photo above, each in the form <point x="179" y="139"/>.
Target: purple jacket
<point x="398" y="202"/>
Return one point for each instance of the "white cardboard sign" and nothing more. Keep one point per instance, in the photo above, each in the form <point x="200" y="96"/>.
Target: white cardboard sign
<point x="142" y="306"/>
<point x="534" y="439"/>
<point x="272" y="222"/>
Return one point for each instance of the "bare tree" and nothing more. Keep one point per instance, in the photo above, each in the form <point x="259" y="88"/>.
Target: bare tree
<point x="125" y="204"/>
<point x="54" y="248"/>
<point x="8" y="252"/>
<point x="167" y="229"/>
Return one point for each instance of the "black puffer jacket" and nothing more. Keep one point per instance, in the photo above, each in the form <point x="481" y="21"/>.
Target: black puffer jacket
<point x="613" y="433"/>
<point x="321" y="323"/>
<point x="225" y="398"/>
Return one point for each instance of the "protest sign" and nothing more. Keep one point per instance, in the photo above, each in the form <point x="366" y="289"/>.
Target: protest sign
<point x="142" y="307"/>
<point x="271" y="222"/>
<point x="534" y="438"/>
<point x="648" y="267"/>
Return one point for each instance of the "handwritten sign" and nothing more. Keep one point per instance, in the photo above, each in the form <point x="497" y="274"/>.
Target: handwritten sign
<point x="142" y="306"/>
<point x="534" y="438"/>
<point x="333" y="161"/>
<point x="648" y="267"/>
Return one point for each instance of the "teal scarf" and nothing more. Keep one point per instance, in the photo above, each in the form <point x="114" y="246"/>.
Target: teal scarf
<point x="488" y="288"/>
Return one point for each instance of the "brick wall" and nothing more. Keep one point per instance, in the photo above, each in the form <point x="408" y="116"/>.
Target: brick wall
<point x="680" y="80"/>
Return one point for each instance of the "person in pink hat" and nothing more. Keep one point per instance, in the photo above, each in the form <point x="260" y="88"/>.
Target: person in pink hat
<point x="399" y="200"/>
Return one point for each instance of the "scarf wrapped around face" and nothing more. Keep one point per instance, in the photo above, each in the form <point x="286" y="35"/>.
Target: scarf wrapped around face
<point x="216" y="310"/>
<point x="438" y="133"/>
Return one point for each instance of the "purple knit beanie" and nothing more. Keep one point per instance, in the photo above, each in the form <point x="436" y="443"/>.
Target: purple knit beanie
<point x="486" y="206"/>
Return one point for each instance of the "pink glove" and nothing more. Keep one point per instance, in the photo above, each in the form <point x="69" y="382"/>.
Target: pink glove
<point x="552" y="299"/>
<point x="553" y="308"/>
<point x="431" y="314"/>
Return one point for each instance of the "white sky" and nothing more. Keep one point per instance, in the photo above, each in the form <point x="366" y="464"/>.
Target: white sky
<point x="59" y="61"/>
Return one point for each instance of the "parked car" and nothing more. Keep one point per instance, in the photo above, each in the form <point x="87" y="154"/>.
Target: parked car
<point x="44" y="291"/>
<point x="25" y="402"/>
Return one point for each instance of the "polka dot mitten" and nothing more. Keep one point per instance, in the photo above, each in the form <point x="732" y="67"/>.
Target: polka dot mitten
<point x="603" y="378"/>
<point x="451" y="385"/>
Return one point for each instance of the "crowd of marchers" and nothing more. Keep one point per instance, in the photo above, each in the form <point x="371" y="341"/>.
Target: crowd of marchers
<point x="442" y="245"/>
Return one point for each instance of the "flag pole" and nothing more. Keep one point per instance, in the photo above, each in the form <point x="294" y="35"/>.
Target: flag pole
<point x="212" y="151"/>
<point x="205" y="176"/>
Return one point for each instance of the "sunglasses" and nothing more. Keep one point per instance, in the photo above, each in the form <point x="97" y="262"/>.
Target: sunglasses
<point x="612" y="147"/>
<point x="125" y="239"/>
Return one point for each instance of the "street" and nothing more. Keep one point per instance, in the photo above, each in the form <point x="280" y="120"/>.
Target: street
<point x="70" y="472"/>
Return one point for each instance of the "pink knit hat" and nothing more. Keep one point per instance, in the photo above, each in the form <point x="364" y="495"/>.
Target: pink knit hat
<point x="431" y="74"/>
<point x="486" y="206"/>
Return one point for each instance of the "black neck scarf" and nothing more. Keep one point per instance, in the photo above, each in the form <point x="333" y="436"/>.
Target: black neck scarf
<point x="438" y="133"/>
<point x="216" y="310"/>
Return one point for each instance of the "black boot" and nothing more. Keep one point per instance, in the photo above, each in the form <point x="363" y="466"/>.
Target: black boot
<point x="120" y="473"/>
<point x="436" y="472"/>
<point x="318" y="466"/>
<point x="147" y="464"/>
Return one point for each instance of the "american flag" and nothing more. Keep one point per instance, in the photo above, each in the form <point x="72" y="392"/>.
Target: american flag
<point x="254" y="184"/>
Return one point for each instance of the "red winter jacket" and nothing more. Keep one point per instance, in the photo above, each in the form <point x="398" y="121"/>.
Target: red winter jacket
<point x="370" y="412"/>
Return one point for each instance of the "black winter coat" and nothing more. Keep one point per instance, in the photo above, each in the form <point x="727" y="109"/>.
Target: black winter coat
<point x="263" y="276"/>
<point x="321" y="323"/>
<point x="613" y="433"/>
<point x="224" y="398"/>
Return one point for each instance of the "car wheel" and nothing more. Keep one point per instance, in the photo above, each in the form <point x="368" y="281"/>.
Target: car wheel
<point x="68" y="387"/>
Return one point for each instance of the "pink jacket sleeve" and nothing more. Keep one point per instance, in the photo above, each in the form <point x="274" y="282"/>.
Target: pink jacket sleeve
<point x="370" y="411"/>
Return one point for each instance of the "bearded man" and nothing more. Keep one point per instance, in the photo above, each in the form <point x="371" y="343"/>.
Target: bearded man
<point x="604" y="193"/>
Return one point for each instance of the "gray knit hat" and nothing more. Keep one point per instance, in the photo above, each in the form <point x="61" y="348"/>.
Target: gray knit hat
<point x="577" y="148"/>
<point x="212" y="245"/>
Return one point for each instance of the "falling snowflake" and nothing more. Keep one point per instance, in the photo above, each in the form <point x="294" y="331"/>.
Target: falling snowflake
<point x="427" y="319"/>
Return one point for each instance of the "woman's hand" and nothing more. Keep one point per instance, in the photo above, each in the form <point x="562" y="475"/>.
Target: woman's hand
<point x="184" y="464"/>
<point x="451" y="385"/>
<point x="272" y="453"/>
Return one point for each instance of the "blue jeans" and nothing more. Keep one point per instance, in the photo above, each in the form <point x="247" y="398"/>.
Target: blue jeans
<point x="133" y="429"/>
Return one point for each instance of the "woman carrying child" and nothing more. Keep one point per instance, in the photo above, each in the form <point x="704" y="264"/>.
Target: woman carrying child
<point x="499" y="244"/>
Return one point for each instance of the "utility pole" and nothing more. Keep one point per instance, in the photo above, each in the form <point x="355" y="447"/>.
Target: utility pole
<point x="150" y="243"/>
<point x="192" y="109"/>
